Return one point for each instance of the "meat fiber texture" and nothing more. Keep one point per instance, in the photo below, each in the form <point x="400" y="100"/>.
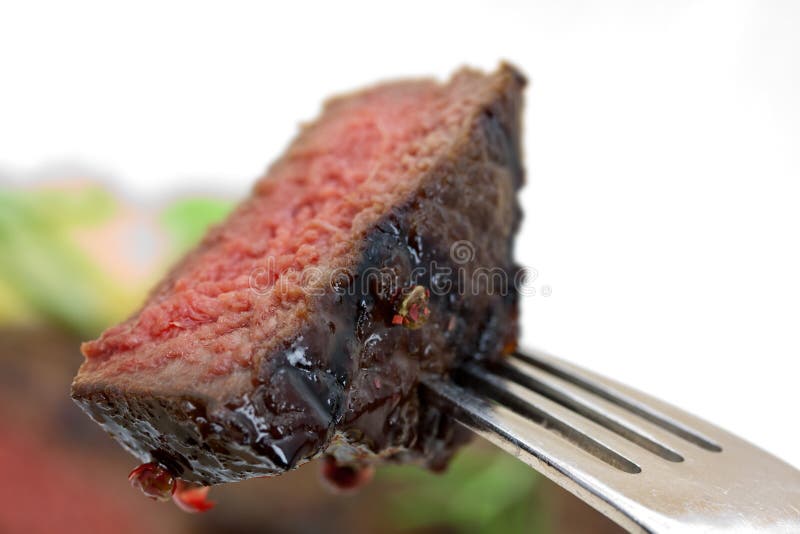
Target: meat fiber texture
<point x="298" y="326"/>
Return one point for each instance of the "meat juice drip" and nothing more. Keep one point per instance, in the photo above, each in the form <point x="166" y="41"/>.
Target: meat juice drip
<point x="345" y="478"/>
<point x="154" y="481"/>
<point x="157" y="483"/>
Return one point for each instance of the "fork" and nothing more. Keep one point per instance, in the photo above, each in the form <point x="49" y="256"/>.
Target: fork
<point x="648" y="466"/>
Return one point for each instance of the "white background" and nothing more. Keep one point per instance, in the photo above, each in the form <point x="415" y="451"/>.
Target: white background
<point x="661" y="145"/>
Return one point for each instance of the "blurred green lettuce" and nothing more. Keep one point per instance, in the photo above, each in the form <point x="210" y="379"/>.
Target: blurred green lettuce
<point x="45" y="275"/>
<point x="483" y="491"/>
<point x="188" y="219"/>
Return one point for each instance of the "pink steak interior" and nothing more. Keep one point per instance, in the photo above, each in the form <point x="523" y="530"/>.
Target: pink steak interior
<point x="338" y="177"/>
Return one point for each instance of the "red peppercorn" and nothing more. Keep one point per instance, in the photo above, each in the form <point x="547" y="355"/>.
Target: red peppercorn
<point x="414" y="310"/>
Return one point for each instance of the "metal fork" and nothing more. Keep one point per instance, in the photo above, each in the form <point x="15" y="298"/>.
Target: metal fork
<point x="647" y="465"/>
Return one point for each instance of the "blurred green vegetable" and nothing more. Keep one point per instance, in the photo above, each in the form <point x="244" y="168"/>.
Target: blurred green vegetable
<point x="483" y="491"/>
<point x="44" y="272"/>
<point x="187" y="220"/>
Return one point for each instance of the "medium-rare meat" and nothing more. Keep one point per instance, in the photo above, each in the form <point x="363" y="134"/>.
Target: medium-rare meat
<point x="375" y="251"/>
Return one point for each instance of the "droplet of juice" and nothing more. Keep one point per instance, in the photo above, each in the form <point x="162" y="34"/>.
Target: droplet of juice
<point x="345" y="478"/>
<point x="154" y="480"/>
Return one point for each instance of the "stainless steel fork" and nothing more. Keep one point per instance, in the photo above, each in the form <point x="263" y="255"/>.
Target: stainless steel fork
<point x="645" y="464"/>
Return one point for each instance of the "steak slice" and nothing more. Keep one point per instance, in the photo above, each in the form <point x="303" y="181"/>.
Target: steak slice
<point x="361" y="262"/>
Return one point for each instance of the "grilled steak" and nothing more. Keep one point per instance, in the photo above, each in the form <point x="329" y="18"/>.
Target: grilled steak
<point x="371" y="254"/>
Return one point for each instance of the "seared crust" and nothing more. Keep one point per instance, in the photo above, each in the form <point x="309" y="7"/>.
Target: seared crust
<point x="348" y="381"/>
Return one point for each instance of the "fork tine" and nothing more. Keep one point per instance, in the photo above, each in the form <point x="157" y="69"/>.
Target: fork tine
<point x="631" y="426"/>
<point x="531" y="403"/>
<point x="668" y="417"/>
